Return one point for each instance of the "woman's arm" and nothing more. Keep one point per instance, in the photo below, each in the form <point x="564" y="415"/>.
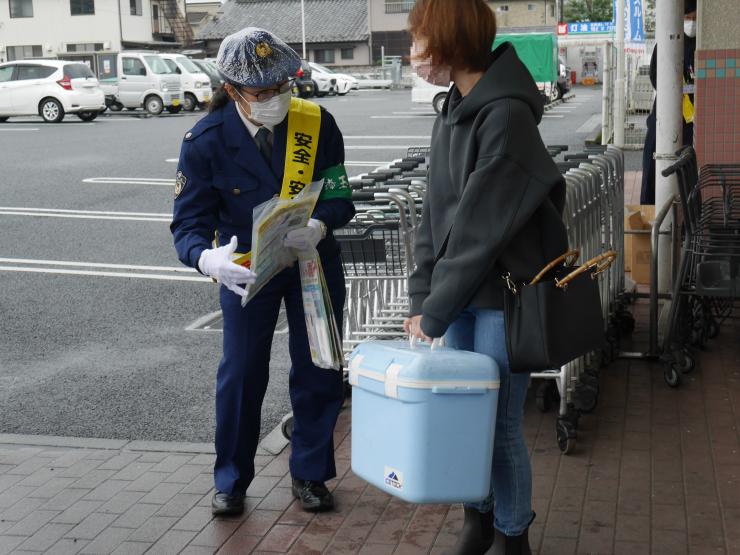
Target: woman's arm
<point x="195" y="214"/>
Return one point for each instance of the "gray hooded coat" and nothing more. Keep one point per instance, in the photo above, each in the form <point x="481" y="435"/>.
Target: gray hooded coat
<point x="494" y="200"/>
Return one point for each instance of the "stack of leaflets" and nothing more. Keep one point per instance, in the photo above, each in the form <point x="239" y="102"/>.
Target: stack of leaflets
<point x="324" y="340"/>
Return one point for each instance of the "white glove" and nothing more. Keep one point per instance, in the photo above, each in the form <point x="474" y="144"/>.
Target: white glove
<point x="306" y="238"/>
<point x="217" y="264"/>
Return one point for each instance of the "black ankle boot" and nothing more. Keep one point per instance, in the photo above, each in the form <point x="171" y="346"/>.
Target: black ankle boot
<point x="476" y="535"/>
<point x="510" y="545"/>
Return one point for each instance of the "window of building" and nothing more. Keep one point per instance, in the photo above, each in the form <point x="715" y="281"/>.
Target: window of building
<point x="136" y="7"/>
<point x="6" y="73"/>
<point x="348" y="53"/>
<point x="133" y="66"/>
<point x="504" y="8"/>
<point x="85" y="47"/>
<point x="398" y="6"/>
<point x="82" y="7"/>
<point x="21" y="8"/>
<point x="552" y="10"/>
<point x="324" y="56"/>
<point x="22" y="52"/>
<point x="531" y="7"/>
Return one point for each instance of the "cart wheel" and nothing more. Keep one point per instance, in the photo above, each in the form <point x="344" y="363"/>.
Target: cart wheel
<point x="587" y="397"/>
<point x="566" y="436"/>
<point x="672" y="376"/>
<point x="685" y="361"/>
<point x="626" y="322"/>
<point x="712" y="328"/>
<point x="544" y="403"/>
<point x="287" y="428"/>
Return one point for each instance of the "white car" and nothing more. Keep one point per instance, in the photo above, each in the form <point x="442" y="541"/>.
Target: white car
<point x="196" y="85"/>
<point x="370" y="81"/>
<point x="50" y="89"/>
<point x="425" y="93"/>
<point x="342" y="83"/>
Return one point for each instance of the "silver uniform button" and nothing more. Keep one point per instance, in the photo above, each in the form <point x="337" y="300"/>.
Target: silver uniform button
<point x="188" y="135"/>
<point x="236" y="191"/>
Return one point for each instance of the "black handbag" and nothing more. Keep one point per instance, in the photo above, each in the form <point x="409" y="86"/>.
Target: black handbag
<point x="557" y="317"/>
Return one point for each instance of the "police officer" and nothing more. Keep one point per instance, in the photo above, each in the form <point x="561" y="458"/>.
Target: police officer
<point x="231" y="161"/>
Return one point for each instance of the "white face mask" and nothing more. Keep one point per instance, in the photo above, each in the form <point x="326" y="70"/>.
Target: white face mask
<point x="689" y="27"/>
<point x="269" y="112"/>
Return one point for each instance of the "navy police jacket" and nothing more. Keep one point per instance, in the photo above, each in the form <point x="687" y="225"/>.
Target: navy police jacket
<point x="222" y="176"/>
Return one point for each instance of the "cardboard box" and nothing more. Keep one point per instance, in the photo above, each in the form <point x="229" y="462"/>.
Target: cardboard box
<point x="637" y="248"/>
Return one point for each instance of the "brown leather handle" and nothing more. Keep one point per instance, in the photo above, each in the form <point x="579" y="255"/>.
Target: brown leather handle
<point x="569" y="258"/>
<point x="600" y="262"/>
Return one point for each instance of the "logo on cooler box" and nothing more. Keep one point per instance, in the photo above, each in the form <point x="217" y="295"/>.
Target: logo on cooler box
<point x="393" y="477"/>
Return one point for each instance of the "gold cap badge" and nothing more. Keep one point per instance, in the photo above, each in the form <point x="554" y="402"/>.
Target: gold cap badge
<point x="263" y="49"/>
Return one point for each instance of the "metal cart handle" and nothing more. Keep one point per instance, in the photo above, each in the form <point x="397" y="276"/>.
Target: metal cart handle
<point x="569" y="258"/>
<point x="600" y="262"/>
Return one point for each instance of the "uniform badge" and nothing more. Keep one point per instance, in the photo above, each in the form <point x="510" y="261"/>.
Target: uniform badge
<point x="263" y="50"/>
<point x="180" y="182"/>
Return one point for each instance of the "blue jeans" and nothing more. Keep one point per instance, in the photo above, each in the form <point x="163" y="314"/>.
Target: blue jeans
<point x="482" y="331"/>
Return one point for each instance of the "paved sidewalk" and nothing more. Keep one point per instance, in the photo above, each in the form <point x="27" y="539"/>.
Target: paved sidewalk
<point x="655" y="470"/>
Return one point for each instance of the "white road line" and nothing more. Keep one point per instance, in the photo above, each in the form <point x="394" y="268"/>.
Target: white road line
<point x="104" y="274"/>
<point x="548" y="116"/>
<point x="375" y="147"/>
<point x="130" y="181"/>
<point x="69" y="263"/>
<point x="173" y="160"/>
<point x="590" y="124"/>
<point x="400" y="117"/>
<point x="96" y="212"/>
<point x="359" y="137"/>
<point x="83" y="216"/>
<point x="18" y="129"/>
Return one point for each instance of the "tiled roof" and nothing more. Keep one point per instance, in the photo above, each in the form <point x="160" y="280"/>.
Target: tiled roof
<point x="326" y="20"/>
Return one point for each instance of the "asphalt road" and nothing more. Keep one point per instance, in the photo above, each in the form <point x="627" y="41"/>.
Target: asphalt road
<point x="94" y="304"/>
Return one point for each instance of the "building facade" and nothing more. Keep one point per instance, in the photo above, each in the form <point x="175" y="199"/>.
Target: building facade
<point x="336" y="30"/>
<point x="88" y="29"/>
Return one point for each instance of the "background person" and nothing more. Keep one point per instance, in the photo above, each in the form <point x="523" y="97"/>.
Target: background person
<point x="647" y="190"/>
<point x="493" y="205"/>
<point x="231" y="161"/>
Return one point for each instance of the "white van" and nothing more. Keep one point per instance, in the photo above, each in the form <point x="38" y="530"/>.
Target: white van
<point x="425" y="93"/>
<point x="144" y="80"/>
<point x="196" y="85"/>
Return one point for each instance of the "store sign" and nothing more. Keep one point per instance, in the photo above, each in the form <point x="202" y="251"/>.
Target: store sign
<point x="586" y="28"/>
<point x="634" y="20"/>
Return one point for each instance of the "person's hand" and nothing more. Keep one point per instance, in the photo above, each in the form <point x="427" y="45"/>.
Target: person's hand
<point x="412" y="326"/>
<point x="305" y="238"/>
<point x="217" y="264"/>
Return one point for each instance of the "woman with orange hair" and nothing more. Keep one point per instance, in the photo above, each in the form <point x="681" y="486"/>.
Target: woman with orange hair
<point x="493" y="207"/>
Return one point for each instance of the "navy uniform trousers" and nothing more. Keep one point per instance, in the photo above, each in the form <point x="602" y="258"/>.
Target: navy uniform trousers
<point x="315" y="393"/>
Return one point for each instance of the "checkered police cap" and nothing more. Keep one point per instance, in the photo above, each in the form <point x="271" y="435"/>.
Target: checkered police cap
<point x="256" y="58"/>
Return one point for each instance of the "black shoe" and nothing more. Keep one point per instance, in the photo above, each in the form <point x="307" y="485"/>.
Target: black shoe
<point x="227" y="503"/>
<point x="476" y="535"/>
<point x="313" y="495"/>
<point x="512" y="545"/>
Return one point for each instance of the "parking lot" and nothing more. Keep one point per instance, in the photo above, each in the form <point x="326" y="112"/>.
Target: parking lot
<point x="97" y="308"/>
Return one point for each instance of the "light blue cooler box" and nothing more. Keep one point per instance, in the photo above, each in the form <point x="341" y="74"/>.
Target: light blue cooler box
<point x="423" y="420"/>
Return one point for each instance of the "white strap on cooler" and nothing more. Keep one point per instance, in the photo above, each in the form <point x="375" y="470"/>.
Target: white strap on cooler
<point x="391" y="380"/>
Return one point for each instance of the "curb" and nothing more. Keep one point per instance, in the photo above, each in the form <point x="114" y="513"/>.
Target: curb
<point x="558" y="102"/>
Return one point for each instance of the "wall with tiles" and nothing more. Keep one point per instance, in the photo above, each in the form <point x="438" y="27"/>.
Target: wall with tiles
<point x="717" y="105"/>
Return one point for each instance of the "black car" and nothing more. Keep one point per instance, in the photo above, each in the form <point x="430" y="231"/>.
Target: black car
<point x="303" y="82"/>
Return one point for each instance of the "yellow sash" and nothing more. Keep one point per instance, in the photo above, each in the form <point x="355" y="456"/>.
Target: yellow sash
<point x="304" y="124"/>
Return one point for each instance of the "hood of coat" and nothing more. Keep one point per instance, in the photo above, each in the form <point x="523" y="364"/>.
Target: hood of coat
<point x="506" y="77"/>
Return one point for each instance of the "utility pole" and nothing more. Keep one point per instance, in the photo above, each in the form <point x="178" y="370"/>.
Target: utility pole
<point x="619" y="81"/>
<point x="303" y="28"/>
<point x="669" y="132"/>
